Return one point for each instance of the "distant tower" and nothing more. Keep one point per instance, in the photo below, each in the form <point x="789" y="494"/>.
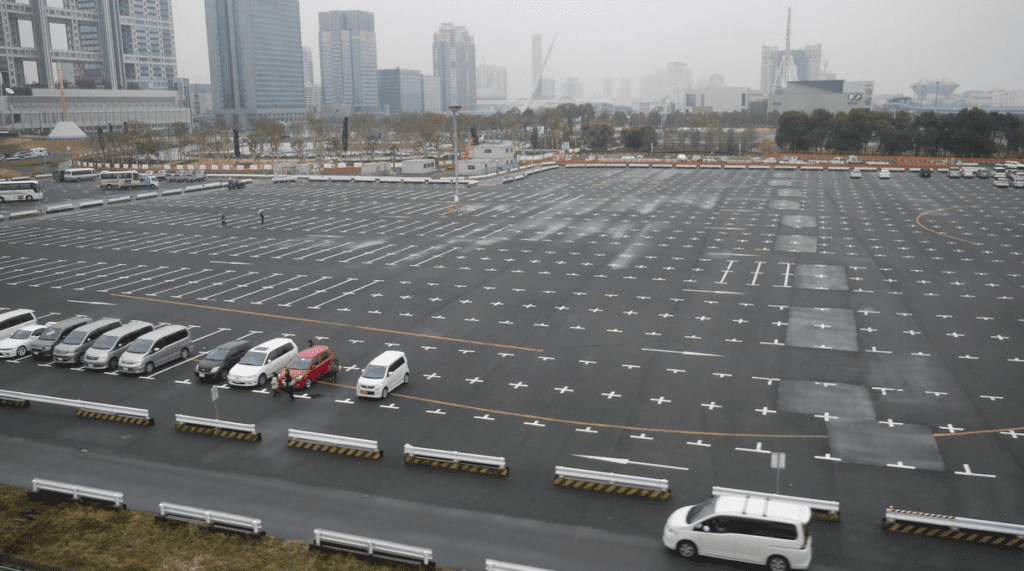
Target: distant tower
<point x="787" y="68"/>
<point x="538" y="64"/>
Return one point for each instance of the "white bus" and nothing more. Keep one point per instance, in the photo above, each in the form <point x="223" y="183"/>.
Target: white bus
<point x="25" y="189"/>
<point x="74" y="175"/>
<point x="125" y="179"/>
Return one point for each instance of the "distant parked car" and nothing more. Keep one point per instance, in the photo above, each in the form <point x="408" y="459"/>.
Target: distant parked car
<point x="855" y="173"/>
<point x="925" y="173"/>
<point x="1001" y="183"/>
<point x="884" y="174"/>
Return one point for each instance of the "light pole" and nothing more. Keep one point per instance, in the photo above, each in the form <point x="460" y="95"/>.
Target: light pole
<point x="455" y="143"/>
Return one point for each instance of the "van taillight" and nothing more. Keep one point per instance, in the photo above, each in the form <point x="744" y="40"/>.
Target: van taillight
<point x="806" y="535"/>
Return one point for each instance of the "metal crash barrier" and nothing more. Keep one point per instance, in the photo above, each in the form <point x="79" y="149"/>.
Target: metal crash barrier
<point x="820" y="509"/>
<point x="451" y="460"/>
<point x="609" y="483"/>
<point x="332" y="444"/>
<point x="492" y="565"/>
<point x="955" y="528"/>
<point x="96" y="410"/>
<point x="214" y="427"/>
<point x="211" y="519"/>
<point x="45" y="489"/>
<point x="326" y="540"/>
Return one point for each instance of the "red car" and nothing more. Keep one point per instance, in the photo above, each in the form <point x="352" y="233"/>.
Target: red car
<point x="311" y="365"/>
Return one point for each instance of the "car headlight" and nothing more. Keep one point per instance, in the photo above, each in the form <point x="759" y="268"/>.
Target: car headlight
<point x="215" y="369"/>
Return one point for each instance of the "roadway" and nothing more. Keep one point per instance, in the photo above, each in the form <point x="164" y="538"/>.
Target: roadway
<point x="675" y="324"/>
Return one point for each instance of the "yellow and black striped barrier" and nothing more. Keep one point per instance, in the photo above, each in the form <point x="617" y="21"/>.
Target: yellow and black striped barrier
<point x="14" y="403"/>
<point x="82" y="413"/>
<point x="954" y="528"/>
<point x="458" y="461"/>
<point x="609" y="483"/>
<point x="333" y="449"/>
<point x="219" y="432"/>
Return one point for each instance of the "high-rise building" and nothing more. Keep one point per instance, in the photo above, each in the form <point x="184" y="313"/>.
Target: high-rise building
<point x="625" y="95"/>
<point x="491" y="82"/>
<point x="455" y="64"/>
<point x="807" y="60"/>
<point x="572" y="89"/>
<point x="348" y="61"/>
<point x="309" y="84"/>
<point x="432" y="95"/>
<point x="609" y="88"/>
<point x="538" y="64"/>
<point x="400" y="90"/>
<point x="123" y="44"/>
<point x="254" y="47"/>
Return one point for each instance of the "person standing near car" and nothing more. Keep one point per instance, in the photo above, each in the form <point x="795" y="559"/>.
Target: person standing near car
<point x="289" y="384"/>
<point x="275" y="385"/>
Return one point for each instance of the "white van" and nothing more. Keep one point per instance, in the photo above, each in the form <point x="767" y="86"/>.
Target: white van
<point x="74" y="175"/>
<point x="71" y="351"/>
<point x="156" y="348"/>
<point x="262" y="362"/>
<point x="742" y="528"/>
<point x="384" y="374"/>
<point x="106" y="351"/>
<point x="11" y="321"/>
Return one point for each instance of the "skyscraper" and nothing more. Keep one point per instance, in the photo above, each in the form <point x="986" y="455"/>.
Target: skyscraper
<point x="455" y="64"/>
<point x="807" y="60"/>
<point x="348" y="61"/>
<point x="538" y="64"/>
<point x="309" y="85"/>
<point x="491" y="82"/>
<point x="255" y="49"/>
<point x="401" y="90"/>
<point x="118" y="44"/>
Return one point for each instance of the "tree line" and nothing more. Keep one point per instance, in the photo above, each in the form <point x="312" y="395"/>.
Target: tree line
<point x="969" y="133"/>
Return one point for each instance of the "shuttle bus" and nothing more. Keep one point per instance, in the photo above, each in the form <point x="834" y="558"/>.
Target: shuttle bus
<point x="24" y="189"/>
<point x="74" y="175"/>
<point x="126" y="179"/>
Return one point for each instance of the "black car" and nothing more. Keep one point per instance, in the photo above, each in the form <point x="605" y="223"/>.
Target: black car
<point x="926" y="173"/>
<point x="216" y="364"/>
<point x="235" y="183"/>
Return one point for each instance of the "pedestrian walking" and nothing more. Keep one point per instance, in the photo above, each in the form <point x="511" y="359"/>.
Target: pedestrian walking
<point x="223" y="219"/>
<point x="275" y="385"/>
<point x="289" y="383"/>
<point x="262" y="217"/>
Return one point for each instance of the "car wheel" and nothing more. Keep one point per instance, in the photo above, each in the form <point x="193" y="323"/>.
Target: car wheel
<point x="149" y="367"/>
<point x="184" y="353"/>
<point x="28" y="198"/>
<point x="1" y="199"/>
<point x="80" y="359"/>
<point x="223" y="374"/>
<point x="22" y="351"/>
<point x="262" y="380"/>
<point x="406" y="379"/>
<point x="778" y="563"/>
<point x="384" y="393"/>
<point x="686" y="549"/>
<point x="113" y="363"/>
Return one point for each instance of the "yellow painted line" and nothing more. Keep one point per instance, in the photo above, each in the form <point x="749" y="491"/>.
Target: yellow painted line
<point x="918" y="220"/>
<point x="973" y="432"/>
<point x="331" y="323"/>
<point x="581" y="423"/>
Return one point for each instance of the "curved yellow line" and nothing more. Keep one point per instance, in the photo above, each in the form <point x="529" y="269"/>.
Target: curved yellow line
<point x="918" y="220"/>
<point x="332" y="323"/>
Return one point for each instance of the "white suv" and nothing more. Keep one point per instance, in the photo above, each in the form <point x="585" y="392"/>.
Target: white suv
<point x="260" y="363"/>
<point x="742" y="528"/>
<point x="384" y="374"/>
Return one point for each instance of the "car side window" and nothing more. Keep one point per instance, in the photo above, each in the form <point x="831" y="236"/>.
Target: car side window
<point x="718" y="525"/>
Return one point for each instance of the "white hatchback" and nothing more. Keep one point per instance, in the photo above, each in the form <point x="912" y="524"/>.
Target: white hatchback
<point x="261" y="363"/>
<point x="742" y="528"/>
<point x="884" y="174"/>
<point x="384" y="374"/>
<point x="17" y="344"/>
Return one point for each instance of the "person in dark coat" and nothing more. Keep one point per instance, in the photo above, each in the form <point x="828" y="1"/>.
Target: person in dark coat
<point x="289" y="384"/>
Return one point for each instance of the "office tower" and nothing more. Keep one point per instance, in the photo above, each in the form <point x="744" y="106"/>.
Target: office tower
<point x="807" y="62"/>
<point x="310" y="87"/>
<point x="491" y="82"/>
<point x="255" y="56"/>
<point x="400" y="90"/>
<point x="572" y="89"/>
<point x="123" y="44"/>
<point x="538" y="64"/>
<point x="348" y="62"/>
<point x="455" y="64"/>
<point x="609" y="88"/>
<point x="432" y="95"/>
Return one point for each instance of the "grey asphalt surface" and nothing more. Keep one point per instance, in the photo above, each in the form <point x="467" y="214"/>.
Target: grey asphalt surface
<point x="667" y="323"/>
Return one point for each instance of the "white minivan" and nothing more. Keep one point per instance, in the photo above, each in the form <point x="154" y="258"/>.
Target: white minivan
<point x="14" y="320"/>
<point x="262" y="362"/>
<point x="742" y="528"/>
<point x="384" y="374"/>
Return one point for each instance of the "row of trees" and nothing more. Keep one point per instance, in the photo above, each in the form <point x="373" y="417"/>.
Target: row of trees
<point x="969" y="133"/>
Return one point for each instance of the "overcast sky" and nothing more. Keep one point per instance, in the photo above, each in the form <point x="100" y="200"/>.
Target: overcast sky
<point x="893" y="42"/>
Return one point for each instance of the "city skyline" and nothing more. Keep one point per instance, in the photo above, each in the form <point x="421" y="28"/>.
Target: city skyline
<point x="893" y="45"/>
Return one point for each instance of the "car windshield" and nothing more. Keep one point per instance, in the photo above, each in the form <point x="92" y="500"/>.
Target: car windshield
<point x="22" y="334"/>
<point x="50" y="334"/>
<point x="105" y="342"/>
<point x="75" y="338"/>
<point x="299" y="363"/>
<point x="253" y="358"/>
<point x="217" y="355"/>
<point x="701" y="510"/>
<point x="374" y="372"/>
<point x="140" y="346"/>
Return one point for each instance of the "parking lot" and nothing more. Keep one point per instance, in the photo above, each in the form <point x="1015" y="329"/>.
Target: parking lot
<point x="668" y="323"/>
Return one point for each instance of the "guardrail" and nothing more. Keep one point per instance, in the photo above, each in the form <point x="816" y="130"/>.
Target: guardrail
<point x="610" y="483"/>
<point x="86" y="409"/>
<point x="89" y="203"/>
<point x="492" y="565"/>
<point x="821" y="509"/>
<point x="955" y="528"/>
<point x="451" y="460"/>
<point x="230" y="522"/>
<point x="333" y="444"/>
<point x="23" y="214"/>
<point x="326" y="540"/>
<point x="41" y="488"/>
<point x="60" y="207"/>
<point x="146" y="195"/>
<point x="215" y="427"/>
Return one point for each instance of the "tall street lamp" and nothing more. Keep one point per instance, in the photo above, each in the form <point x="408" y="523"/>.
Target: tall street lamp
<point x="455" y="141"/>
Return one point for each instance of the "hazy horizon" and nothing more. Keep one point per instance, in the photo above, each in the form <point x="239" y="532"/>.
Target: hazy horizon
<point x="892" y="44"/>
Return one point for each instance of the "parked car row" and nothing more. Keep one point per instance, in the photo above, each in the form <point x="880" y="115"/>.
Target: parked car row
<point x="139" y="347"/>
